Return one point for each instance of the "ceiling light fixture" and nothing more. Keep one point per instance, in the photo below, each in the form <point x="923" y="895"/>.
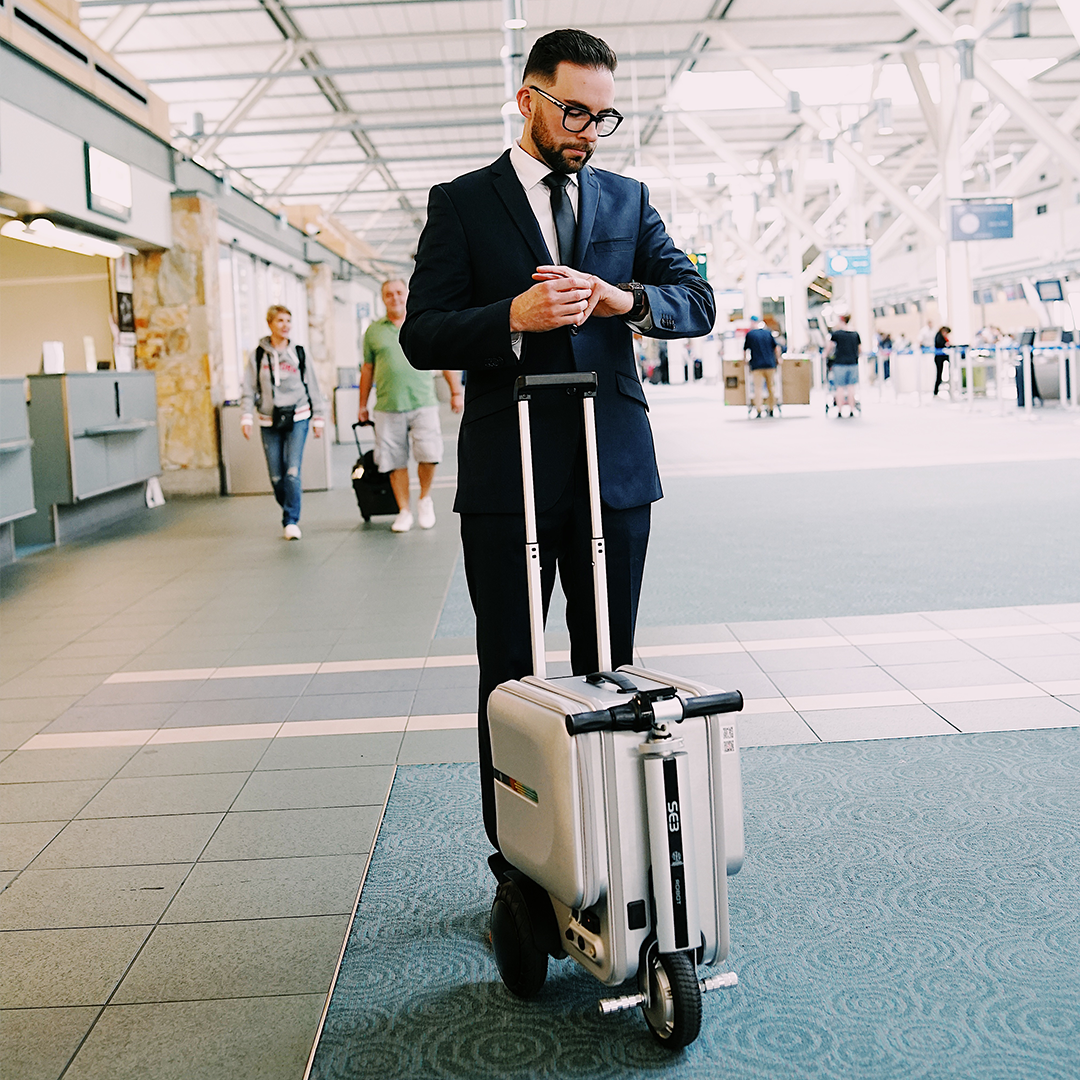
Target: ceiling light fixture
<point x="44" y="233"/>
<point x="515" y="24"/>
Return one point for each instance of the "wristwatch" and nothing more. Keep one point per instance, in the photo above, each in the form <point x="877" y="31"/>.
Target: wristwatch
<point x="641" y="301"/>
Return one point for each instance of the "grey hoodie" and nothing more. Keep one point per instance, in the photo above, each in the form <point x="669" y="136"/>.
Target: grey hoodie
<point x="280" y="384"/>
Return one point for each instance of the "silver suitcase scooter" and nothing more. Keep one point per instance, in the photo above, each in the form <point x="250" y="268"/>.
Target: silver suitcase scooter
<point x="618" y="804"/>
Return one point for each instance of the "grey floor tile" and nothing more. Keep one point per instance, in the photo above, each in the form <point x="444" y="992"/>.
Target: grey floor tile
<point x="265" y="1038"/>
<point x="82" y="763"/>
<point x="780" y="628"/>
<point x="52" y="668"/>
<point x="879" y="722"/>
<point x="1053" y="613"/>
<point x="279" y="834"/>
<point x="774" y="729"/>
<point x="278" y="654"/>
<point x="1046" y="668"/>
<point x="365" y="682"/>
<point x="54" y="801"/>
<point x="332" y="751"/>
<point x="20" y="842"/>
<point x="96" y="896"/>
<point x="922" y="652"/>
<point x="1015" y="715"/>
<point x="150" y="715"/>
<point x="1032" y="646"/>
<point x="459" y="699"/>
<point x="721" y="666"/>
<point x="880" y="624"/>
<point x="430" y="747"/>
<point x="274" y="686"/>
<point x="129" y="841"/>
<point x="28" y="685"/>
<point x="206" y="960"/>
<point x="675" y="635"/>
<point x="957" y="673"/>
<point x="41" y="968"/>
<point x="297" y="789"/>
<point x="979" y="617"/>
<point x="35" y="710"/>
<point x="348" y="706"/>
<point x="36" y="1044"/>
<point x="111" y="694"/>
<point x="138" y="796"/>
<point x="842" y="656"/>
<point x="268" y="889"/>
<point x="753" y="683"/>
<point x="243" y="711"/>
<point x="176" y="759"/>
<point x="13" y="735"/>
<point x="450" y="677"/>
<point x="1072" y="700"/>
<point x="177" y="659"/>
<point x="838" y="681"/>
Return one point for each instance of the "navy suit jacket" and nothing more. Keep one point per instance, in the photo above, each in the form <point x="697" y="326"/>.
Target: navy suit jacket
<point x="477" y="252"/>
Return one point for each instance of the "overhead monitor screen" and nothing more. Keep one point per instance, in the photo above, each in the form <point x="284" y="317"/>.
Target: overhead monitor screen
<point x="1049" y="290"/>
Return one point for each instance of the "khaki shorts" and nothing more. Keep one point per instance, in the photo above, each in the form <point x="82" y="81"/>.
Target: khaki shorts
<point x="394" y="431"/>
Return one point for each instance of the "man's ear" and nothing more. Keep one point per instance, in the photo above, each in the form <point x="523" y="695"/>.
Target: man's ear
<point x="524" y="102"/>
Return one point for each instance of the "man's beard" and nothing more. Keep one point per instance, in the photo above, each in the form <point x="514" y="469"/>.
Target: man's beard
<point x="553" y="157"/>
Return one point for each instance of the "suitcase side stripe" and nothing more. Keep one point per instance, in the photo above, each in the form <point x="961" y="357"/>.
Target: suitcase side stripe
<point x="516" y="786"/>
<point x="676" y="859"/>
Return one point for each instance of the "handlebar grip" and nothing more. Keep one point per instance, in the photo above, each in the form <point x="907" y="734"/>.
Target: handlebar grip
<point x="708" y="704"/>
<point x="601" y="720"/>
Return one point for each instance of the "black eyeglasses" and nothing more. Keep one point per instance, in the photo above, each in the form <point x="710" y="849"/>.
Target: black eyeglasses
<point x="576" y="119"/>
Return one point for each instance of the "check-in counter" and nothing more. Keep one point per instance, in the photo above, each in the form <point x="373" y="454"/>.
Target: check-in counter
<point x="16" y="470"/>
<point x="95" y="445"/>
<point x="243" y="463"/>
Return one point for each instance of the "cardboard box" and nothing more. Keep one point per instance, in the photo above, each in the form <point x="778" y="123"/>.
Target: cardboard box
<point x="795" y="378"/>
<point x="734" y="382"/>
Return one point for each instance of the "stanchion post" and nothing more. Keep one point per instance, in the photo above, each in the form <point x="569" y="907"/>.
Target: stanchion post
<point x="1063" y="376"/>
<point x="1027" y="361"/>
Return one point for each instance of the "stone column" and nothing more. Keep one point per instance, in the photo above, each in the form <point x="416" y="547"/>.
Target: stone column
<point x="321" y="331"/>
<point x="178" y="328"/>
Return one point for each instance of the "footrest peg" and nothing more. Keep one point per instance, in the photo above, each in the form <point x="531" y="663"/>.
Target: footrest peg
<point x="620" y="1004"/>
<point x="724" y="981"/>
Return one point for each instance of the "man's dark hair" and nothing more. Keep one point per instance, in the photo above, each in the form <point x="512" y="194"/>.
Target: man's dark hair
<point x="567" y="47"/>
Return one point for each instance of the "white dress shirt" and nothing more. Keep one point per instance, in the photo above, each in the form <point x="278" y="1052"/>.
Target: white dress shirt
<point x="531" y="172"/>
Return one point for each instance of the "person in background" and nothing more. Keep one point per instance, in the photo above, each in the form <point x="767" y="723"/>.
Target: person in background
<point x="844" y="365"/>
<point x="406" y="409"/>
<point x="941" y="343"/>
<point x="885" y="347"/>
<point x="281" y="391"/>
<point x="764" y="356"/>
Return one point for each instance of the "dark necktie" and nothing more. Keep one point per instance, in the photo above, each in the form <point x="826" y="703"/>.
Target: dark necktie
<point x="565" y="225"/>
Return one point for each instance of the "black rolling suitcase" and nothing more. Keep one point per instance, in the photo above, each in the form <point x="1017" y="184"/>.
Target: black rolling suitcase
<point x="373" y="492"/>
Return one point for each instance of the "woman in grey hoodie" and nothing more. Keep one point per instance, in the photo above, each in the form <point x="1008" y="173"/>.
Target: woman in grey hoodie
<point x="282" y="393"/>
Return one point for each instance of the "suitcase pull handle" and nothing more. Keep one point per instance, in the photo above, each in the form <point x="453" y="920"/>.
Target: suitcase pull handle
<point x="616" y="678"/>
<point x="585" y="381"/>
<point x="637" y="713"/>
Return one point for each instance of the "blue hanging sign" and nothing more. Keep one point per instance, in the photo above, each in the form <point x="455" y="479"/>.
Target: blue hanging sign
<point x="847" y="262"/>
<point x="982" y="221"/>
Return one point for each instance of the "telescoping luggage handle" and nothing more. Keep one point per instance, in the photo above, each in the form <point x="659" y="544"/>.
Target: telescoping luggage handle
<point x="583" y="382"/>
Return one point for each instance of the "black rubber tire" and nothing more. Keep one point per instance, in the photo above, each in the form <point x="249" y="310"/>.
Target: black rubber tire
<point x="522" y="964"/>
<point x="674" y="978"/>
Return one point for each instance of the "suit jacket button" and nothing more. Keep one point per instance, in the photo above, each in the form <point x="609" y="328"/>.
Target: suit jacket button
<point x="574" y="330"/>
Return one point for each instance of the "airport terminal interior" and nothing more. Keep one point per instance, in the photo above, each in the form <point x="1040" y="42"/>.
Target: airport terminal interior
<point x="240" y="815"/>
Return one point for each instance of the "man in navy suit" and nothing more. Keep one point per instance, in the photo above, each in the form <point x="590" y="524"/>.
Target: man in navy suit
<point x="539" y="264"/>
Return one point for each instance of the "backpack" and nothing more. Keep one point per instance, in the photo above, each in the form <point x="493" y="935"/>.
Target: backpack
<point x="301" y="356"/>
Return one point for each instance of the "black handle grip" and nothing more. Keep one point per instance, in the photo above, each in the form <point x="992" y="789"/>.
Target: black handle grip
<point x="572" y="380"/>
<point x="709" y="704"/>
<point x="589" y="721"/>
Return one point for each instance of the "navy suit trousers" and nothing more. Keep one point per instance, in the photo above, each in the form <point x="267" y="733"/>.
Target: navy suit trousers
<point x="494" y="547"/>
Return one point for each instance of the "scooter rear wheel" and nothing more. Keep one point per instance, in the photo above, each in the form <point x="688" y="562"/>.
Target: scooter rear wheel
<point x="674" y="1009"/>
<point x="521" y="963"/>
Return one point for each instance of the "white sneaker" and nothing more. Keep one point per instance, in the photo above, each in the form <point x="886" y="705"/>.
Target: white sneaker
<point x="292" y="532"/>
<point x="425" y="513"/>
<point x="403" y="522"/>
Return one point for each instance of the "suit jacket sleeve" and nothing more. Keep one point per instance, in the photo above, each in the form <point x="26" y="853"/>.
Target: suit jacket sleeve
<point x="680" y="300"/>
<point x="442" y="329"/>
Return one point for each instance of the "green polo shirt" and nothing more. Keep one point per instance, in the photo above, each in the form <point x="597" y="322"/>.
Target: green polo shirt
<point x="399" y="387"/>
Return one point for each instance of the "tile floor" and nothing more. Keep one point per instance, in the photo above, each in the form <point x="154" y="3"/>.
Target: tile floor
<point x="200" y="725"/>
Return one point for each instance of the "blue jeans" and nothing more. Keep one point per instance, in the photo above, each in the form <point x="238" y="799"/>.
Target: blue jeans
<point x="284" y="455"/>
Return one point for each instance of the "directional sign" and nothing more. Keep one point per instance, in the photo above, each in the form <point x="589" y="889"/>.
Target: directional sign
<point x="847" y="262"/>
<point x="701" y="260"/>
<point x="982" y="221"/>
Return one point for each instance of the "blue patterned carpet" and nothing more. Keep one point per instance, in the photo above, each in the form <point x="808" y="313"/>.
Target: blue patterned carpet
<point x="908" y="909"/>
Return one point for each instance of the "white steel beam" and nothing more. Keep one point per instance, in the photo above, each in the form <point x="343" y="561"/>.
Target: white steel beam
<point x="1021" y="175"/>
<point x="939" y="30"/>
<point x="316" y="148"/>
<point x="119" y="26"/>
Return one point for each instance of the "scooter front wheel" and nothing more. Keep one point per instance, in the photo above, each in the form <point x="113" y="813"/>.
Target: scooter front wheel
<point x="673" y="1006"/>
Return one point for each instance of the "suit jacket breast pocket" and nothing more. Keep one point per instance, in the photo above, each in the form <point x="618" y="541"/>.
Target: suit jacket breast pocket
<point x="612" y="257"/>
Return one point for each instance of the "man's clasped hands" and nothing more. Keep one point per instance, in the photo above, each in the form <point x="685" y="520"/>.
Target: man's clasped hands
<point x="563" y="296"/>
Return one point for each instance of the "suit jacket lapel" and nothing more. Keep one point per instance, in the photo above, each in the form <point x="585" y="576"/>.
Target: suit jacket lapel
<point x="587" y="203"/>
<point x="509" y="189"/>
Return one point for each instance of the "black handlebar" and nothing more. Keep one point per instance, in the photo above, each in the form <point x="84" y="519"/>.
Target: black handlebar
<point x="637" y="714"/>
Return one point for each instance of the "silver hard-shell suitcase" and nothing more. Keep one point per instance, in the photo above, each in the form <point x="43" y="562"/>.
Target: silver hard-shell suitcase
<point x="618" y="802"/>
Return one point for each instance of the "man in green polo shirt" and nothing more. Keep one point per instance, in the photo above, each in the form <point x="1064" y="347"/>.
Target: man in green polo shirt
<point x="406" y="409"/>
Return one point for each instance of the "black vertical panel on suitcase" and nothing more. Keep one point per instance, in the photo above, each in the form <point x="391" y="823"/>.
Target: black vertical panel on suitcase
<point x="374" y="494"/>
